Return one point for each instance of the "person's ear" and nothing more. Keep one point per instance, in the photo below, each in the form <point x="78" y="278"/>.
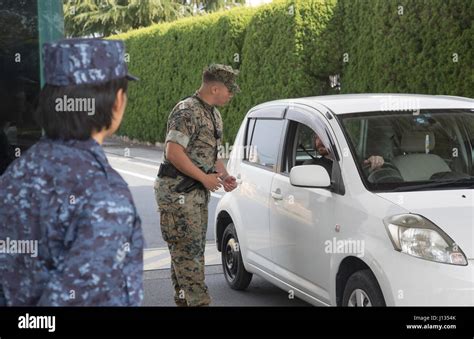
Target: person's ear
<point x="120" y="102"/>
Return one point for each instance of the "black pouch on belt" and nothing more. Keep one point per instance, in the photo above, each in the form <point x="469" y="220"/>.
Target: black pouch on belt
<point x="167" y="170"/>
<point x="189" y="184"/>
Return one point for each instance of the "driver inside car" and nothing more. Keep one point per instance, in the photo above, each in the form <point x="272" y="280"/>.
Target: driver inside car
<point x="326" y="158"/>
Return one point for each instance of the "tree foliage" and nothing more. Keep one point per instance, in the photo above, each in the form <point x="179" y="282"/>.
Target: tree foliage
<point x="106" y="17"/>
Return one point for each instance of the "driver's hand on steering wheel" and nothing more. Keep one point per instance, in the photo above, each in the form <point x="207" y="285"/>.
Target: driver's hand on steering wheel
<point x="375" y="162"/>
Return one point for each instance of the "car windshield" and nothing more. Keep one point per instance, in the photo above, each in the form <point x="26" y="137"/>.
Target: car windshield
<point x="409" y="151"/>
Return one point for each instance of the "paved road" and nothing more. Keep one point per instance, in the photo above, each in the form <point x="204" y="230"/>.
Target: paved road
<point x="158" y="291"/>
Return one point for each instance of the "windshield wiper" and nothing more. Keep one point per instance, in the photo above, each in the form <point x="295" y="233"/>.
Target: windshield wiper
<point x="436" y="184"/>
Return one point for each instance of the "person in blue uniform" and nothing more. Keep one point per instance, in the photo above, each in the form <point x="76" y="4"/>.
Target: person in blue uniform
<point x="70" y="234"/>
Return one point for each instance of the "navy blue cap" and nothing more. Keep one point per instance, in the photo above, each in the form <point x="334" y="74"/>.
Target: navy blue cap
<point x="84" y="61"/>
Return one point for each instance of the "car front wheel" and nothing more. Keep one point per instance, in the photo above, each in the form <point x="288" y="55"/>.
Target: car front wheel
<point x="362" y="290"/>
<point x="234" y="271"/>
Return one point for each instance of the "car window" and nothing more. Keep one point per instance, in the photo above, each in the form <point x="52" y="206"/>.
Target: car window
<point x="354" y="128"/>
<point x="302" y="149"/>
<point x="426" y="148"/>
<point x="265" y="142"/>
<point x="469" y="142"/>
<point x="305" y="150"/>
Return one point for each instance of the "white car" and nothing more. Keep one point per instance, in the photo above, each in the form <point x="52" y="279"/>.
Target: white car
<point x="354" y="200"/>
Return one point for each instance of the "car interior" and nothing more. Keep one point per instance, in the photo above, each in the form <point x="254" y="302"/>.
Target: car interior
<point x="304" y="149"/>
<point x="419" y="150"/>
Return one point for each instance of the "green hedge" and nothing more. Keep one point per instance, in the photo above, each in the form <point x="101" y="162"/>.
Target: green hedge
<point x="169" y="59"/>
<point x="277" y="58"/>
<point x="408" y="46"/>
<point x="289" y="49"/>
<point x="271" y="45"/>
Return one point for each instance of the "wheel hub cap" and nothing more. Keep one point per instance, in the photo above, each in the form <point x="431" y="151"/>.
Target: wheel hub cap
<point x="359" y="298"/>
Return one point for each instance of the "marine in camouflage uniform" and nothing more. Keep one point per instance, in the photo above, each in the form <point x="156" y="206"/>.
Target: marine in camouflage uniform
<point x="63" y="195"/>
<point x="197" y="127"/>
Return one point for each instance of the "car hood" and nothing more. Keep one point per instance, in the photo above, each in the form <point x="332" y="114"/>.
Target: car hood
<point x="450" y="210"/>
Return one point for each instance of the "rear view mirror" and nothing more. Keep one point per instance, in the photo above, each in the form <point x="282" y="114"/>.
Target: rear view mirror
<point x="310" y="176"/>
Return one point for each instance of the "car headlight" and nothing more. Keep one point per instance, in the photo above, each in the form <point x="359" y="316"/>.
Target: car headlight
<point x="417" y="236"/>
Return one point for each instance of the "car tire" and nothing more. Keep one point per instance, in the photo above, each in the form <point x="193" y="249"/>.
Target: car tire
<point x="362" y="290"/>
<point x="232" y="264"/>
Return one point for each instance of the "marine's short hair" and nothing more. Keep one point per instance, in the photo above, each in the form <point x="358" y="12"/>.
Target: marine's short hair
<point x="208" y="77"/>
<point x="62" y="114"/>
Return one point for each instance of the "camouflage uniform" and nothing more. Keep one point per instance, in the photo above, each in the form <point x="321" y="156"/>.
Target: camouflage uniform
<point x="65" y="197"/>
<point x="184" y="216"/>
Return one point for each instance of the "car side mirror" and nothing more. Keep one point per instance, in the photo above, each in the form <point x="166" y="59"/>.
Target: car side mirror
<point x="310" y="176"/>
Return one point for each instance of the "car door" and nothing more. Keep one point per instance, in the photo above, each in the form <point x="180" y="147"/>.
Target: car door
<point x="255" y="174"/>
<point x="302" y="219"/>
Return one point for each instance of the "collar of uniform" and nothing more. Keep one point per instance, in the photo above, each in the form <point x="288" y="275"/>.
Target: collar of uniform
<point x="89" y="145"/>
<point x="205" y="104"/>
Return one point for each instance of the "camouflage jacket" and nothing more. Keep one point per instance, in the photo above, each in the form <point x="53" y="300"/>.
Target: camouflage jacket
<point x="64" y="197"/>
<point x="191" y="125"/>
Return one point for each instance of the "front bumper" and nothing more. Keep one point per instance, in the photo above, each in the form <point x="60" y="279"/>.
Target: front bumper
<point x="417" y="282"/>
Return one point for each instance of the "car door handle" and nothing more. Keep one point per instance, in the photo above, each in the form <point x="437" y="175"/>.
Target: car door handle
<point x="277" y="195"/>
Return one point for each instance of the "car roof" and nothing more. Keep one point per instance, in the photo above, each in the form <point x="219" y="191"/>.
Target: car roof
<point x="372" y="102"/>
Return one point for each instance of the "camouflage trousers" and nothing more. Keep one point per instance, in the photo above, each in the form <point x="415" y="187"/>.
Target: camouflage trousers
<point x="184" y="229"/>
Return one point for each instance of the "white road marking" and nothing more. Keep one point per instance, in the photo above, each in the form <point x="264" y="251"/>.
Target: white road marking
<point x="141" y="176"/>
<point x="155" y="260"/>
<point x="118" y="154"/>
<point x="158" y="265"/>
<point x="128" y="160"/>
<point x="145" y="159"/>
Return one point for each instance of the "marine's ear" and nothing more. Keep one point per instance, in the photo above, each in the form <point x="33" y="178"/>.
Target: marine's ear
<point x="214" y="88"/>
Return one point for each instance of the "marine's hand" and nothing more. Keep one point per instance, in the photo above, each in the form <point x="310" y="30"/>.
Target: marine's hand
<point x="212" y="182"/>
<point x="230" y="183"/>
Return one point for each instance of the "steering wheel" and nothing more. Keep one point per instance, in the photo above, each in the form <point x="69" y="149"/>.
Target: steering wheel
<point x="387" y="173"/>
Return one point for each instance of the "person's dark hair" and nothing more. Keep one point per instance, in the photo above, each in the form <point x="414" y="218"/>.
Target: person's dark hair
<point x="62" y="123"/>
<point x="208" y="77"/>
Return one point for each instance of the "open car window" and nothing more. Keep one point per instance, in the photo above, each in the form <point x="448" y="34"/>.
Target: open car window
<point x="300" y="146"/>
<point x="305" y="150"/>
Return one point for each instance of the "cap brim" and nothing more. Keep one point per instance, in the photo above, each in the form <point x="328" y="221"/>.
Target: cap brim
<point x="132" y="77"/>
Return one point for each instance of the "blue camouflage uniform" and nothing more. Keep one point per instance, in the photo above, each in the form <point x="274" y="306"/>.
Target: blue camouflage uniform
<point x="63" y="196"/>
